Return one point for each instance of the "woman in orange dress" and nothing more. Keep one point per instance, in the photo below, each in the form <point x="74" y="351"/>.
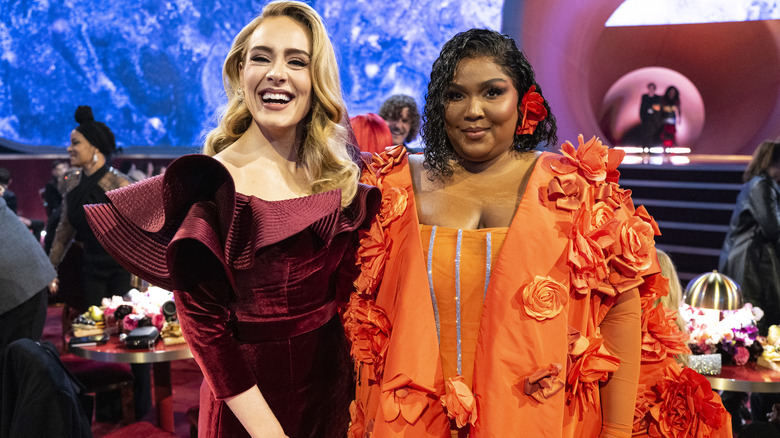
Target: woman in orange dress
<point x="508" y="292"/>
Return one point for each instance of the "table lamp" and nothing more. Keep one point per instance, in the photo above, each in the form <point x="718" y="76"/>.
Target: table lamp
<point x="711" y="293"/>
<point x="713" y="290"/>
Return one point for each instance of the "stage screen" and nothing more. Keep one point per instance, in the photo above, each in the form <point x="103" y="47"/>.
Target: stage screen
<point x="152" y="69"/>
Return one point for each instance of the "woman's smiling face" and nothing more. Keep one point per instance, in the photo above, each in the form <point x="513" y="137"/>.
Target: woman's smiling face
<point x="276" y="76"/>
<point x="481" y="112"/>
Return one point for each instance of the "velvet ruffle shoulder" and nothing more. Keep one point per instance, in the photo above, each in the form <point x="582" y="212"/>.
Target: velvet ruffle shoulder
<point x="196" y="199"/>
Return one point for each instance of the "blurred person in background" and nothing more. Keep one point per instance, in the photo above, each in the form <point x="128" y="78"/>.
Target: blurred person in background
<point x="401" y="114"/>
<point x="371" y="132"/>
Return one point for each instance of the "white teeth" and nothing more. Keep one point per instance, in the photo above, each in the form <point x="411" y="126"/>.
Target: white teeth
<point x="276" y="96"/>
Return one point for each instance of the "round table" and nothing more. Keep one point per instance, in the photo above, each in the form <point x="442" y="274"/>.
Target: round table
<point x="746" y="378"/>
<point x="160" y="356"/>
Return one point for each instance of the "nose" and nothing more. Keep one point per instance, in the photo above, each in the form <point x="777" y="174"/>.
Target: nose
<point x="277" y="73"/>
<point x="473" y="110"/>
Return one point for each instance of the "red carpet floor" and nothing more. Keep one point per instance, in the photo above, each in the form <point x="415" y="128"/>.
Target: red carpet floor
<point x="185" y="375"/>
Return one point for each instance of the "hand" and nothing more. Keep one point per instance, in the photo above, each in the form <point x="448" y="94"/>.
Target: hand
<point x="54" y="286"/>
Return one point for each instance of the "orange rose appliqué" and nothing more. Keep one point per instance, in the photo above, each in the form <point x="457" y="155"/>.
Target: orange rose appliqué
<point x="544" y="298"/>
<point x="368" y="329"/>
<point x="393" y="205"/>
<point x="685" y="406"/>
<point x="371" y="256"/>
<point x="460" y="402"/>
<point x="636" y="242"/>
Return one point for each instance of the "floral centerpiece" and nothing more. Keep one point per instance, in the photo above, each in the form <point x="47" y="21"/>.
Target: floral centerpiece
<point x="136" y="309"/>
<point x="731" y="333"/>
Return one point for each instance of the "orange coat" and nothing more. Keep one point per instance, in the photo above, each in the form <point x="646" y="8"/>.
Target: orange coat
<point x="575" y="246"/>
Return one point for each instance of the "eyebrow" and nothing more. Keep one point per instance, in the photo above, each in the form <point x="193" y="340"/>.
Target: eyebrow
<point x="287" y="52"/>
<point x="484" y="84"/>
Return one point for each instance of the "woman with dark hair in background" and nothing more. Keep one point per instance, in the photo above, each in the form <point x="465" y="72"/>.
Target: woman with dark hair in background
<point x="509" y="292"/>
<point x="257" y="237"/>
<point x="671" y="114"/>
<point x="96" y="274"/>
<point x="91" y="146"/>
<point x="751" y="252"/>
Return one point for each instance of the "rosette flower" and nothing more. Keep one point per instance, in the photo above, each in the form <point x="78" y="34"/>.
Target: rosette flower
<point x="591" y="158"/>
<point x="586" y="254"/>
<point x="567" y="191"/>
<point x="661" y="338"/>
<point x="356" y="420"/>
<point x="371" y="257"/>
<point x="460" y="402"/>
<point x="383" y="163"/>
<point x="601" y="214"/>
<point x="543" y="298"/>
<point x="532" y="107"/>
<point x="393" y="205"/>
<point x="686" y="407"/>
<point x="544" y="383"/>
<point x="368" y="330"/>
<point x="635" y="245"/>
<point x="587" y="369"/>
<point x="654" y="287"/>
<point x="406" y="402"/>
<point x="642" y="409"/>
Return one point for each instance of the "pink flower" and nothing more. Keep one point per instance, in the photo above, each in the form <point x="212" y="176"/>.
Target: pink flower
<point x="460" y="402"/>
<point x="543" y="298"/>
<point x="741" y="356"/>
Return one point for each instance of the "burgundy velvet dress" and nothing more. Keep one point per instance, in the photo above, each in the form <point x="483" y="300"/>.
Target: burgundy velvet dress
<point x="257" y="286"/>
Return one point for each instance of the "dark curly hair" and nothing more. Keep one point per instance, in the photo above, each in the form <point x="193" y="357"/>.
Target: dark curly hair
<point x="391" y="110"/>
<point x="476" y="43"/>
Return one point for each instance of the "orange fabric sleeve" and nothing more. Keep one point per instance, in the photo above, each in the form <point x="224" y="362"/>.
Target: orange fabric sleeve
<point x="622" y="336"/>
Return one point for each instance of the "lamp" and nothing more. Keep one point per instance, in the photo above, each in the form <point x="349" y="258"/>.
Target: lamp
<point x="714" y="290"/>
<point x="711" y="293"/>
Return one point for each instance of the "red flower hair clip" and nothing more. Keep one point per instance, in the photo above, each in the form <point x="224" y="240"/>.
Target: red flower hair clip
<point x="533" y="111"/>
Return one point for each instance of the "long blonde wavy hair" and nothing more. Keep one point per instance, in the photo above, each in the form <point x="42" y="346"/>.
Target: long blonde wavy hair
<point x="323" y="150"/>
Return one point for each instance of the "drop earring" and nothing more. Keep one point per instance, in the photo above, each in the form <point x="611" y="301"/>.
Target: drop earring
<point x="94" y="158"/>
<point x="240" y="94"/>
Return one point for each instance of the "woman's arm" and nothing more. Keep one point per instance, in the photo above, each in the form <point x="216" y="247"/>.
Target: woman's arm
<point x="253" y="412"/>
<point x="203" y="295"/>
<point x="621" y="329"/>
<point x="63" y="237"/>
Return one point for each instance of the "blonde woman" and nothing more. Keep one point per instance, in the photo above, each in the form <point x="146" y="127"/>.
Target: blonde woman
<point x="258" y="236"/>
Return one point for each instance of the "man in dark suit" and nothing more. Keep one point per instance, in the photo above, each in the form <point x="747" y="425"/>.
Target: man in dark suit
<point x="649" y="114"/>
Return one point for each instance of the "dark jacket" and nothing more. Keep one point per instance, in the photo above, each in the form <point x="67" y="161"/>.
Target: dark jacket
<point x="751" y="251"/>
